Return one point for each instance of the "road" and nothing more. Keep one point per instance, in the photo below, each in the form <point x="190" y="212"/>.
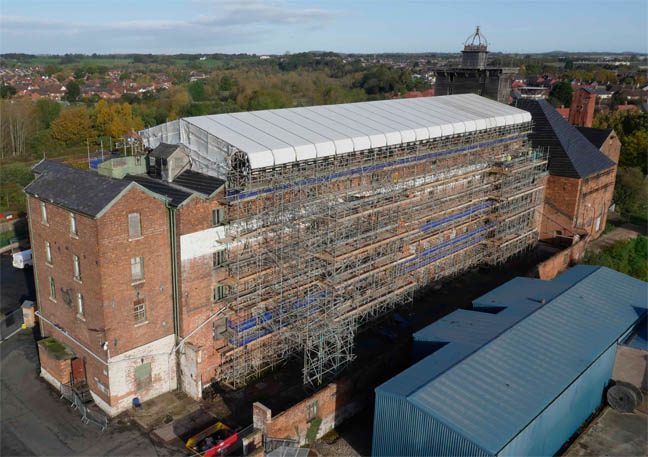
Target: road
<point x="33" y="419"/>
<point x="15" y="285"/>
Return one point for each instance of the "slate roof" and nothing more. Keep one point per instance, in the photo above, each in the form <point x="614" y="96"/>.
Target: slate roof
<point x="595" y="136"/>
<point x="595" y="91"/>
<point x="176" y="196"/>
<point x="570" y="153"/>
<point x="198" y="182"/>
<point x="164" y="150"/>
<point x="78" y="190"/>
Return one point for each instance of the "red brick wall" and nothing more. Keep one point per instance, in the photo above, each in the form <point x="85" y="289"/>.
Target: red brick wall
<point x="61" y="370"/>
<point x="612" y="147"/>
<point x="581" y="112"/>
<point x="559" y="262"/>
<point x="595" y="198"/>
<point x="63" y="247"/>
<point x="559" y="209"/>
<point x="197" y="277"/>
<point x="119" y="291"/>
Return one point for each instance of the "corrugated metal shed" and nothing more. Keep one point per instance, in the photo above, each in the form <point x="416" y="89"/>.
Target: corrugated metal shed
<point x="276" y="137"/>
<point x="490" y="388"/>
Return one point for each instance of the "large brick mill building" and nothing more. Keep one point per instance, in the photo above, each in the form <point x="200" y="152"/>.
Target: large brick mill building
<point x="241" y="240"/>
<point x="582" y="172"/>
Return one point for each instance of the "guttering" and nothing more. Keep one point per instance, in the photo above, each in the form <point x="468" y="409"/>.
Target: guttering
<point x="34" y="263"/>
<point x="174" y="271"/>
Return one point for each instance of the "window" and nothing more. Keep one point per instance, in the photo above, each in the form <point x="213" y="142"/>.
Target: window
<point x="598" y="223"/>
<point x="219" y="292"/>
<point x="134" y="226"/>
<point x="139" y="311"/>
<point x="48" y="252"/>
<point x="80" y="309"/>
<point x="137" y="268"/>
<point x="217" y="216"/>
<point x="52" y="289"/>
<point x="218" y="259"/>
<point x="43" y="213"/>
<point x="73" y="224"/>
<point x="312" y="410"/>
<point x="77" y="268"/>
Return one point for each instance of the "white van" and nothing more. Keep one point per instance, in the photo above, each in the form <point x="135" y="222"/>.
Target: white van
<point x="23" y="259"/>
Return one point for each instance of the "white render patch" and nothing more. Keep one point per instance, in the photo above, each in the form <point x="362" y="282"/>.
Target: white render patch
<point x="275" y="137"/>
<point x="204" y="242"/>
<point x="121" y="373"/>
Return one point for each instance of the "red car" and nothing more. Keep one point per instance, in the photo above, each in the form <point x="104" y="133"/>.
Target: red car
<point x="214" y="440"/>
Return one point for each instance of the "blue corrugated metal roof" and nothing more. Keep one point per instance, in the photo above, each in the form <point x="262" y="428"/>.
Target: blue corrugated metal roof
<point x="490" y="393"/>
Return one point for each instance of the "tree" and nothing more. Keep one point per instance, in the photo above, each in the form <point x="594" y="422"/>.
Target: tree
<point x="73" y="91"/>
<point x="631" y="191"/>
<point x="569" y="64"/>
<point x="17" y="126"/>
<point x="226" y="83"/>
<point x="562" y="92"/>
<point x="51" y="69"/>
<point x="47" y="110"/>
<point x="125" y="75"/>
<point x="7" y="91"/>
<point x="72" y="126"/>
<point x="197" y="91"/>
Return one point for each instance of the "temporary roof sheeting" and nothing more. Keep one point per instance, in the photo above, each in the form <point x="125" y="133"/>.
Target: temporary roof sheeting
<point x="276" y="137"/>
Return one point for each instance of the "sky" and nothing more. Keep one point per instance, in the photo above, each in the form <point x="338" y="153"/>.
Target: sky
<point x="353" y="26"/>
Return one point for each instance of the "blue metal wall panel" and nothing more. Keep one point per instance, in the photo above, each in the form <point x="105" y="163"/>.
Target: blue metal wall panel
<point x="515" y="382"/>
<point x="401" y="429"/>
<point x="560" y="420"/>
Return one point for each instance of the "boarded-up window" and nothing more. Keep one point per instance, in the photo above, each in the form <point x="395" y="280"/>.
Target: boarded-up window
<point x="134" y="226"/>
<point x="52" y="288"/>
<point x="311" y="410"/>
<point x="48" y="252"/>
<point x="77" y="268"/>
<point x="73" y="224"/>
<point x="137" y="268"/>
<point x="143" y="377"/>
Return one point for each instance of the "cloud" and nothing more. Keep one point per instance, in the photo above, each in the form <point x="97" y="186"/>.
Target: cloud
<point x="222" y="24"/>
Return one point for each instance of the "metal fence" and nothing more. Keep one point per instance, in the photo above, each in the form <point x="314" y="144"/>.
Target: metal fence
<point x="88" y="416"/>
<point x="270" y="444"/>
<point x="10" y="324"/>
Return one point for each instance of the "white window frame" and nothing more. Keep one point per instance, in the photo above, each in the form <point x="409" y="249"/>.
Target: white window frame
<point x="139" y="312"/>
<point x="48" y="252"/>
<point x="74" y="230"/>
<point x="139" y="260"/>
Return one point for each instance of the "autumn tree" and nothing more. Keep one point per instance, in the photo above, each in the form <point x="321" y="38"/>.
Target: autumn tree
<point x="72" y="126"/>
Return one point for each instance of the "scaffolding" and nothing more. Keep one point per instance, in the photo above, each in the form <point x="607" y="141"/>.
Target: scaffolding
<point x="318" y="250"/>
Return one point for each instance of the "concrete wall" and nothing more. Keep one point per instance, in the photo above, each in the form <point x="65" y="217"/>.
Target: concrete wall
<point x="631" y="365"/>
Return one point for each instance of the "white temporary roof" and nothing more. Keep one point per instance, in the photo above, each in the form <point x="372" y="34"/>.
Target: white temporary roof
<point x="275" y="137"/>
